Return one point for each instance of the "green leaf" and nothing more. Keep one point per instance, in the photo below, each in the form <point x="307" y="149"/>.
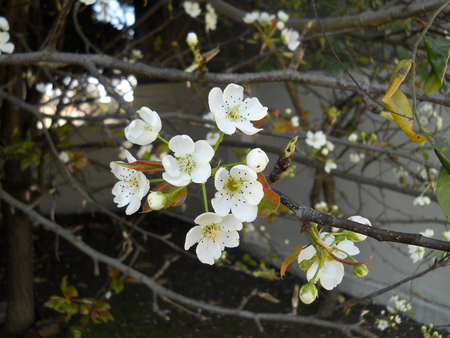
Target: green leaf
<point x="268" y="296"/>
<point x="76" y="333"/>
<point x="432" y="84"/>
<point x="64" y="284"/>
<point x="101" y="305"/>
<point x="117" y="285"/>
<point x="442" y="150"/>
<point x="443" y="192"/>
<point x="270" y="202"/>
<point x="72" y="309"/>
<point x="71" y="292"/>
<point x="438" y="54"/>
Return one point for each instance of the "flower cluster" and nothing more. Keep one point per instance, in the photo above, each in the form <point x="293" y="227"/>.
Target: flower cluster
<point x="324" y="258"/>
<point x="5" y="45"/>
<point x="416" y="252"/>
<point x="321" y="147"/>
<point x="391" y="318"/>
<point x="193" y="10"/>
<point x="263" y="22"/>
<point x="239" y="191"/>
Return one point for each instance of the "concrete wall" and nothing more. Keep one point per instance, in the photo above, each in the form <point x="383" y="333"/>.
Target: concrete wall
<point x="391" y="263"/>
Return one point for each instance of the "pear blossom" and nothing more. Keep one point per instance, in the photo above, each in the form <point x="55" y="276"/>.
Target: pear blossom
<point x="137" y="54"/>
<point x="156" y="200"/>
<point x="354" y="157"/>
<point x="329" y="165"/>
<point x="308" y="293"/>
<point x="422" y="200"/>
<point x="283" y="16"/>
<point x="331" y="271"/>
<point x="145" y="130"/>
<point x="251" y="17"/>
<point x="362" y="220"/>
<point x="290" y="38"/>
<point x="64" y="156"/>
<point x="382" y="324"/>
<point x="144" y="151"/>
<point x="131" y="188"/>
<point x="321" y="206"/>
<point x="190" y="161"/>
<point x="5" y="45"/>
<point x="257" y="160"/>
<point x="295" y="121"/>
<point x="231" y="111"/>
<point x="353" y="137"/>
<point x="213" y="233"/>
<point x="192" y="39"/>
<point x="212" y="138"/>
<point x="4" y="24"/>
<point x="427" y="233"/>
<point x="238" y="191"/>
<point x="316" y="140"/>
<point x="192" y="8"/>
<point x="280" y="25"/>
<point x="416" y="253"/>
<point x="210" y="18"/>
<point x="265" y="19"/>
<point x="446" y="235"/>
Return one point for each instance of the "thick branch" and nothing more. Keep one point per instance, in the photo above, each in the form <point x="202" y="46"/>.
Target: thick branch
<point x="307" y="214"/>
<point x="154" y="73"/>
<point x="364" y="19"/>
<point x="150" y="282"/>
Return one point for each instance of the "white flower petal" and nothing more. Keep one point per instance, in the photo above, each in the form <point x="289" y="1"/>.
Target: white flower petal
<point x="306" y="254"/>
<point x="253" y="192"/>
<point x="180" y="180"/>
<point x="230" y="222"/>
<point x="224" y="124"/>
<point x="201" y="173"/>
<point x="208" y="218"/>
<point x="242" y="210"/>
<point x="221" y="178"/>
<point x="233" y="95"/>
<point x="247" y="127"/>
<point x="171" y="165"/>
<point x="207" y="251"/>
<point x="230" y="239"/>
<point x="312" y="271"/>
<point x="253" y="109"/>
<point x="221" y="203"/>
<point x="203" y="152"/>
<point x="181" y="145"/>
<point x="193" y="236"/>
<point x="331" y="274"/>
<point x="349" y="247"/>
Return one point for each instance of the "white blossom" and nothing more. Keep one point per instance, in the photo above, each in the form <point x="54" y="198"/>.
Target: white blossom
<point x="290" y="38"/>
<point x="353" y="137"/>
<point x="190" y="161"/>
<point x="64" y="156"/>
<point x="251" y="17"/>
<point x="231" y="111"/>
<point x="192" y="8"/>
<point x="6" y="46"/>
<point x="355" y="158"/>
<point x="131" y="188"/>
<point x="427" y="233"/>
<point x="143" y="150"/>
<point x="332" y="271"/>
<point x="210" y="18"/>
<point x="362" y="220"/>
<point x="329" y="165"/>
<point x="422" y="200"/>
<point x="416" y="253"/>
<point x="265" y="19"/>
<point x="280" y="25"/>
<point x="4" y="24"/>
<point x="213" y="233"/>
<point x="295" y="121"/>
<point x="316" y="140"/>
<point x="446" y="235"/>
<point x="382" y="324"/>
<point x="308" y="293"/>
<point x="321" y="205"/>
<point x="145" y="130"/>
<point x="238" y="191"/>
<point x="283" y="16"/>
<point x="257" y="160"/>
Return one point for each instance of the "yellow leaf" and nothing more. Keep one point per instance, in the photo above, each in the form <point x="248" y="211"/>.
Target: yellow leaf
<point x="398" y="103"/>
<point x="399" y="74"/>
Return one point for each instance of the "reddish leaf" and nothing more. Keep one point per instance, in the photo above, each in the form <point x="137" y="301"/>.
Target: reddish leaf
<point x="289" y="260"/>
<point x="144" y="166"/>
<point x="101" y="305"/>
<point x="176" y="199"/>
<point x="112" y="272"/>
<point x="85" y="309"/>
<point x="270" y="202"/>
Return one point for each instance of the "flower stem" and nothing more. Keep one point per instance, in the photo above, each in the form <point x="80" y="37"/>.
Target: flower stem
<point x="157" y="180"/>
<point x="219" y="141"/>
<point x="205" y="197"/>
<point x="162" y="139"/>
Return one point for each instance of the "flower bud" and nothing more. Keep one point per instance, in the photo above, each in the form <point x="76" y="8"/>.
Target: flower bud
<point x="308" y="293"/>
<point x="360" y="270"/>
<point x="156" y="200"/>
<point x="192" y="39"/>
<point x="305" y="264"/>
<point x="257" y="160"/>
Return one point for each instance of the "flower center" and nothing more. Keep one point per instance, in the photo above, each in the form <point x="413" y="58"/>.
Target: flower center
<point x="233" y="185"/>
<point x="148" y="127"/>
<point x="211" y="231"/>
<point x="233" y="113"/>
<point x="187" y="164"/>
